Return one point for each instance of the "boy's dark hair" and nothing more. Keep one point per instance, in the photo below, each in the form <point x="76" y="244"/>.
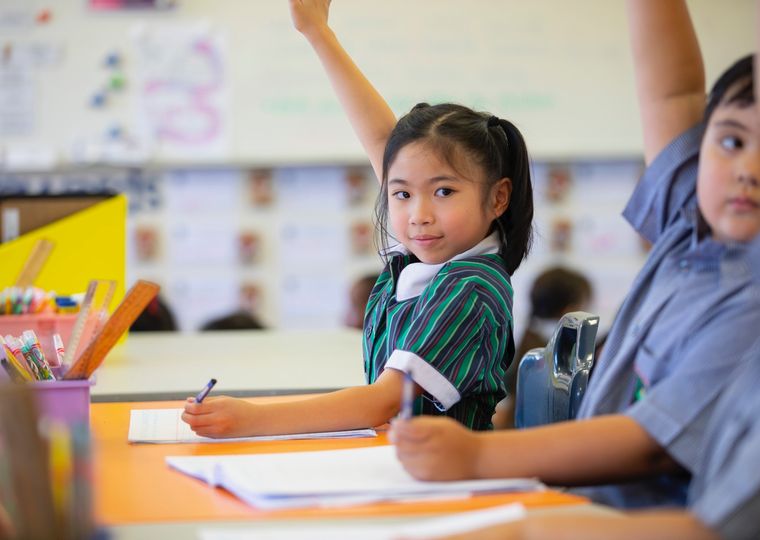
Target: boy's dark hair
<point x="239" y="320"/>
<point x="735" y="85"/>
<point x="494" y="144"/>
<point x="557" y="289"/>
<point x="156" y="317"/>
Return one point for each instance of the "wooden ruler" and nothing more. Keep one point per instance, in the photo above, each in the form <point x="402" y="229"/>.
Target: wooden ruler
<point x="35" y="262"/>
<point x="136" y="300"/>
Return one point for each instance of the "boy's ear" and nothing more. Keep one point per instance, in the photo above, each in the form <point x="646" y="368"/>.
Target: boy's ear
<point x="501" y="195"/>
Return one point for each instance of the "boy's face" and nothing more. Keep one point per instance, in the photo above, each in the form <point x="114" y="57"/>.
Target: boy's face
<point x="436" y="211"/>
<point x="728" y="186"/>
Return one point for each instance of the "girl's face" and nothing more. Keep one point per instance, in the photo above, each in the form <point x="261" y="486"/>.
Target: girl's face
<point x="436" y="211"/>
<point x="729" y="172"/>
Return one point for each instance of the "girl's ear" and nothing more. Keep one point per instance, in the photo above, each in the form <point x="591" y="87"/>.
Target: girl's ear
<point x="501" y="193"/>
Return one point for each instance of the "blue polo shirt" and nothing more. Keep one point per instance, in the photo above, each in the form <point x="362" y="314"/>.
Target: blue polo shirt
<point x="725" y="491"/>
<point x="692" y="311"/>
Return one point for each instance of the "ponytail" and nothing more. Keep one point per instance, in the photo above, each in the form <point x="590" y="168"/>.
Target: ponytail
<point x="515" y="225"/>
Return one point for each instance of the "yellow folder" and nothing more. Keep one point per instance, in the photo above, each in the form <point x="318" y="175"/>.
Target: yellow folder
<point x="89" y="244"/>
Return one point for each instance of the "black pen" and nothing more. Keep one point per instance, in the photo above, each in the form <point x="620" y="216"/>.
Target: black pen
<point x="206" y="389"/>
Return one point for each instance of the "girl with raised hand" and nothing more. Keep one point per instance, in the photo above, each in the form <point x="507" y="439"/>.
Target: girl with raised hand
<point x="454" y="217"/>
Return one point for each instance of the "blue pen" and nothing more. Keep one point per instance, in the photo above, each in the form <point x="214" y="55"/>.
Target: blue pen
<point x="407" y="397"/>
<point x="206" y="389"/>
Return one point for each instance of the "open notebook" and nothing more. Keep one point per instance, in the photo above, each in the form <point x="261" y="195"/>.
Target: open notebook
<point x="328" y="478"/>
<point x="166" y="426"/>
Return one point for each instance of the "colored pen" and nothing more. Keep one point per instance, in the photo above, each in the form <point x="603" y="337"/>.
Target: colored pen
<point x="206" y="389"/>
<point x="60" y="352"/>
<point x="407" y="397"/>
<point x="29" y="338"/>
<point x="16" y="348"/>
<point x="18" y="363"/>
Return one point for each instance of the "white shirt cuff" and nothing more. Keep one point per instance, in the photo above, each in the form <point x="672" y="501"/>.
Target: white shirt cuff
<point x="426" y="376"/>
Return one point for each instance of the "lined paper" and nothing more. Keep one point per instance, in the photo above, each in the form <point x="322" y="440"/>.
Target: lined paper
<point x="165" y="426"/>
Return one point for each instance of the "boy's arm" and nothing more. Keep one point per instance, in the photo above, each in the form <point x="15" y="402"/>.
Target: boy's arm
<point x="351" y="408"/>
<point x="596" y="451"/>
<point x="578" y="526"/>
<point x="369" y="114"/>
<point x="670" y="77"/>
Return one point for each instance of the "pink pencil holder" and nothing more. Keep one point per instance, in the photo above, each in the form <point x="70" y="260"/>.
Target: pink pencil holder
<point x="65" y="401"/>
<point x="44" y="326"/>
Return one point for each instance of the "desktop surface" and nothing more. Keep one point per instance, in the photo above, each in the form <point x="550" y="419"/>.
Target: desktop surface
<point x="168" y="365"/>
<point x="134" y="485"/>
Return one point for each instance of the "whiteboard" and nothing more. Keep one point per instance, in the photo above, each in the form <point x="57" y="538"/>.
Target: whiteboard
<point x="560" y="69"/>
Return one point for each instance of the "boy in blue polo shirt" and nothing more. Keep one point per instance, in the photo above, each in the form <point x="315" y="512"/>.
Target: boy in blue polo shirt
<point x="724" y="496"/>
<point x="691" y="313"/>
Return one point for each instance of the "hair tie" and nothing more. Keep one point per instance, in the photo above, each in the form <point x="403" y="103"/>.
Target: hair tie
<point x="493" y="121"/>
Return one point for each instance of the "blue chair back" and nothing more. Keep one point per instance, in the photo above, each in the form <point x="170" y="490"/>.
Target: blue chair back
<point x="551" y="380"/>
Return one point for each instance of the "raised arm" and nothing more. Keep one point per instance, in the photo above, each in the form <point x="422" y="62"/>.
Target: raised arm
<point x="670" y="78"/>
<point x="369" y="114"/>
<point x="756" y="66"/>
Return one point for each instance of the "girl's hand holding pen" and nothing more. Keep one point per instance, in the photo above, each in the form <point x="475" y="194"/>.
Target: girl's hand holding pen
<point x="219" y="417"/>
<point x="435" y="448"/>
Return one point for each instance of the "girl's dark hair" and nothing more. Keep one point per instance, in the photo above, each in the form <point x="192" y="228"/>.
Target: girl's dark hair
<point x="735" y="85"/>
<point x="494" y="144"/>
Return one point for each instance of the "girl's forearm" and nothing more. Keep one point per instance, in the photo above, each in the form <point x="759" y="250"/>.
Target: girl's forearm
<point x="351" y="408"/>
<point x="369" y="114"/>
<point x="587" y="452"/>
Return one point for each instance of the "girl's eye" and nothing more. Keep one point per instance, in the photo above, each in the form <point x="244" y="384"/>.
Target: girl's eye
<point x="443" y="192"/>
<point x="731" y="142"/>
<point x="400" y="195"/>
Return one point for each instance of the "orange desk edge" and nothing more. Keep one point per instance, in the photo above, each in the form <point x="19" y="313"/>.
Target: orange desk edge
<point x="133" y="484"/>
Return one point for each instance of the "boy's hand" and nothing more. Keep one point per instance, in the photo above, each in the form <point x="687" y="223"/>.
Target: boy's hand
<point x="435" y="448"/>
<point x="309" y="15"/>
<point x="220" y="416"/>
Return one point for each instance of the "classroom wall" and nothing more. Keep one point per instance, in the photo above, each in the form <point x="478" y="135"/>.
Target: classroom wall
<point x="272" y="210"/>
<point x="230" y="81"/>
<point x="287" y="243"/>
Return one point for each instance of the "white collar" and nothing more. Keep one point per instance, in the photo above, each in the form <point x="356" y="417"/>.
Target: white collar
<point x="415" y="277"/>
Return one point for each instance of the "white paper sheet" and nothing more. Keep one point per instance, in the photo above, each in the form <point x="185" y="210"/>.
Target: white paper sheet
<point x="454" y="524"/>
<point x="299" y="479"/>
<point x="166" y="426"/>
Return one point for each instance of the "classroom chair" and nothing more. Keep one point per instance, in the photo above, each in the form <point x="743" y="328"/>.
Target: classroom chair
<point x="551" y="380"/>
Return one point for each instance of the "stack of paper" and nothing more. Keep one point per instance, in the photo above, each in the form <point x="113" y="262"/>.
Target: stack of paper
<point x="428" y="528"/>
<point x="327" y="478"/>
<point x="166" y="426"/>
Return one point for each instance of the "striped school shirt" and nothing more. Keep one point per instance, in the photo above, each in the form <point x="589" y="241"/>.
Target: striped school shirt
<point x="454" y="338"/>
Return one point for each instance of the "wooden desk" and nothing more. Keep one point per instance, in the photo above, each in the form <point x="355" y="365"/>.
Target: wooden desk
<point x="162" y="366"/>
<point x="134" y="485"/>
